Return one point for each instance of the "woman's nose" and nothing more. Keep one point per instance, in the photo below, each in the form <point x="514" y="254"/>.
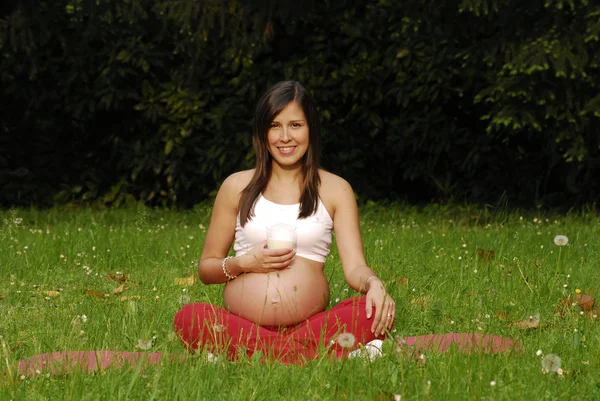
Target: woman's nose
<point x="286" y="134"/>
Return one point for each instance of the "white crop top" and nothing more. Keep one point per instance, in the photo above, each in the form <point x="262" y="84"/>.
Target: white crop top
<point x="313" y="234"/>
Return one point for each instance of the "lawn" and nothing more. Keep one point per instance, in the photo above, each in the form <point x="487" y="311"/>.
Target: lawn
<point x="92" y="279"/>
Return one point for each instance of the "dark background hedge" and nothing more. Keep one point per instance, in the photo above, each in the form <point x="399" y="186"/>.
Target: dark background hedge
<point x="472" y="101"/>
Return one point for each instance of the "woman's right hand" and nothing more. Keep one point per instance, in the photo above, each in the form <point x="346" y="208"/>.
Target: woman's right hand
<point x="260" y="259"/>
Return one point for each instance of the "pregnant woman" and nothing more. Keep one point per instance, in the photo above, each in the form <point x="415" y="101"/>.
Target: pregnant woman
<point x="275" y="300"/>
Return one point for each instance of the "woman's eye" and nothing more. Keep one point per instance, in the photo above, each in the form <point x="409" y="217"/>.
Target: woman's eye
<point x="296" y="125"/>
<point x="273" y="125"/>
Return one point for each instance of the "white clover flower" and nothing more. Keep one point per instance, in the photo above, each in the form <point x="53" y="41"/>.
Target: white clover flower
<point x="539" y="352"/>
<point x="551" y="363"/>
<point x="561" y="240"/>
<point x="492" y="383"/>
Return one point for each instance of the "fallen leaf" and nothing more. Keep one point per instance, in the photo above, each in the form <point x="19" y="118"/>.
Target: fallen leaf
<point x="186" y="281"/>
<point x="400" y="281"/>
<point x="119" y="289"/>
<point x="95" y="294"/>
<point x="532" y="322"/>
<point x="484" y="255"/>
<point x="586" y="302"/>
<point x="501" y="315"/>
<point x="51" y="293"/>
<point x="2" y="297"/>
<point x="563" y="305"/>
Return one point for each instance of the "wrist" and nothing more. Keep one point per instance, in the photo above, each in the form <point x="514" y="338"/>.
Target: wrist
<point x="233" y="266"/>
<point x="238" y="264"/>
<point x="370" y="281"/>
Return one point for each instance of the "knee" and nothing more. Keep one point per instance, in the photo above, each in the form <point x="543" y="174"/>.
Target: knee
<point x="187" y="315"/>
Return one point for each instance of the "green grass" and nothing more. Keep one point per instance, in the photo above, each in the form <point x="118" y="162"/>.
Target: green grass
<point x="450" y="289"/>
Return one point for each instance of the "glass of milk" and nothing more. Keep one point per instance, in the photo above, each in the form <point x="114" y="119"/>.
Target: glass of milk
<point x="281" y="236"/>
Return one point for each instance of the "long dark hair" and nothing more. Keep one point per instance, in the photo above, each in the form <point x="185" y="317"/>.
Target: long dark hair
<point x="272" y="102"/>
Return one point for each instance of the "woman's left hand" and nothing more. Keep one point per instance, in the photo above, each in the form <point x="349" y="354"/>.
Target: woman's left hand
<point x="385" y="308"/>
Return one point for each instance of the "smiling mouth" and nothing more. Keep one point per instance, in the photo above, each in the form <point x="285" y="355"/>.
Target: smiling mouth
<point x="287" y="149"/>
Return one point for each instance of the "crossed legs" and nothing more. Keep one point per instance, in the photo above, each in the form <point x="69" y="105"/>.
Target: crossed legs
<point x="210" y="327"/>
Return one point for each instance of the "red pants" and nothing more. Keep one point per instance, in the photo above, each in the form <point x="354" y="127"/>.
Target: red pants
<point x="210" y="327"/>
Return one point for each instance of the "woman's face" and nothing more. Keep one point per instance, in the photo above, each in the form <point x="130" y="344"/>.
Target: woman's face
<point x="288" y="136"/>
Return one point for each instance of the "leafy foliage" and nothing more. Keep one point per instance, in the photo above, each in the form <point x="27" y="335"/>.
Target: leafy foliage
<point x="471" y="99"/>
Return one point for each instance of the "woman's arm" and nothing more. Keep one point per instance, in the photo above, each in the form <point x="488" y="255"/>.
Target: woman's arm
<point x="347" y="233"/>
<point x="350" y="247"/>
<point x="221" y="233"/>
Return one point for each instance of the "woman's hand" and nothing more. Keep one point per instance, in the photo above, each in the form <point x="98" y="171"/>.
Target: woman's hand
<point x="260" y="259"/>
<point x="385" y="308"/>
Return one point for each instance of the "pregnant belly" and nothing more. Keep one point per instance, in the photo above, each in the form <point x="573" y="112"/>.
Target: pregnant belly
<point x="281" y="298"/>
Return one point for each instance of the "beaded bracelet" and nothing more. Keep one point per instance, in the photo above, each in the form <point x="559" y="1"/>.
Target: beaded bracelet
<point x="369" y="279"/>
<point x="225" y="270"/>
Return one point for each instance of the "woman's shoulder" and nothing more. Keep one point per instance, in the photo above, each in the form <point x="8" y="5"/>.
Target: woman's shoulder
<point x="236" y="182"/>
<point x="333" y="189"/>
<point x="330" y="181"/>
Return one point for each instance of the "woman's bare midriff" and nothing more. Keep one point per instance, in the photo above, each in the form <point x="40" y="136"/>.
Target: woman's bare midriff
<point x="281" y="298"/>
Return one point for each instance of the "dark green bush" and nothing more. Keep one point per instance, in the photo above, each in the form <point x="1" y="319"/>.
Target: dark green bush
<point x="468" y="100"/>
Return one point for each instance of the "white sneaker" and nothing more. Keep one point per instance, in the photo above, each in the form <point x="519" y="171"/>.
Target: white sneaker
<point x="372" y="350"/>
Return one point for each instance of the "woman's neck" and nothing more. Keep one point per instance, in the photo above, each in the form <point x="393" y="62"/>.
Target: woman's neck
<point x="285" y="175"/>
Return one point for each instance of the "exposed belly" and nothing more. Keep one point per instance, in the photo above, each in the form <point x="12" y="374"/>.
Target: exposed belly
<point x="280" y="298"/>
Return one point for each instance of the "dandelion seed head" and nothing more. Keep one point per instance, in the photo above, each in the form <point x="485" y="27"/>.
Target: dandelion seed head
<point x="534" y="319"/>
<point x="346" y="340"/>
<point x="144" y="344"/>
<point x="561" y="240"/>
<point x="551" y="363"/>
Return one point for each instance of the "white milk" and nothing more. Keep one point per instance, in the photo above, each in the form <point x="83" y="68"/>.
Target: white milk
<point x="276" y="243"/>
